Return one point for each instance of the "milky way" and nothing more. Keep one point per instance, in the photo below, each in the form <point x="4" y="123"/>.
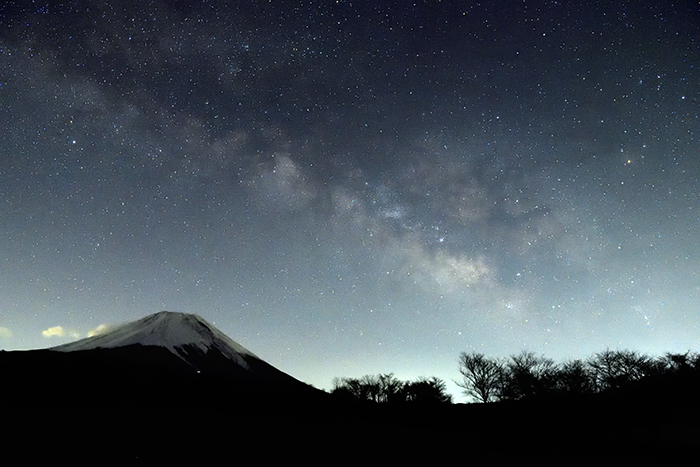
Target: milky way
<point x="350" y="188"/>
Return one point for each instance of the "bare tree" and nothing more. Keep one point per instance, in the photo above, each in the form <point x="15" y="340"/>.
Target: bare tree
<point x="614" y="369"/>
<point x="349" y="389"/>
<point x="426" y="390"/>
<point x="528" y="375"/>
<point x="574" y="378"/>
<point x="482" y="377"/>
<point x="369" y="388"/>
<point x="676" y="363"/>
<point x="389" y="388"/>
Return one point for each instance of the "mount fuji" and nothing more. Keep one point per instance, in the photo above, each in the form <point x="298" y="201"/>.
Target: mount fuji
<point x="180" y="357"/>
<point x="163" y="386"/>
<point x="186" y="336"/>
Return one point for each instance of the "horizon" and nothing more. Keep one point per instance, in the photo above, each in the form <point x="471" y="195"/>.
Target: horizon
<point x="354" y="188"/>
<point x="457" y="397"/>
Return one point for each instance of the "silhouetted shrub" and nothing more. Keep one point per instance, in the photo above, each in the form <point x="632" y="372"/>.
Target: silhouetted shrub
<point x="528" y="376"/>
<point x="426" y="391"/>
<point x="386" y="388"/>
<point x="574" y="378"/>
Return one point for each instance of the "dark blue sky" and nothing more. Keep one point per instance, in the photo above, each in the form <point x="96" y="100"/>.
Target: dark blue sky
<point x="354" y="187"/>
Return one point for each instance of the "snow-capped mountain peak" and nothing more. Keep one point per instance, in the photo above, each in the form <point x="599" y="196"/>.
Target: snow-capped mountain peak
<point x="180" y="333"/>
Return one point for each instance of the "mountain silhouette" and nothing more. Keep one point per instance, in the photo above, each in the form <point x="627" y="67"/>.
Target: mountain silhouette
<point x="190" y="338"/>
<point x="176" y="356"/>
<point x="140" y="387"/>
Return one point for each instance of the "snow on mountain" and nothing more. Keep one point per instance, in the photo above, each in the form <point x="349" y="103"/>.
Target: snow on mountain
<point x="180" y="333"/>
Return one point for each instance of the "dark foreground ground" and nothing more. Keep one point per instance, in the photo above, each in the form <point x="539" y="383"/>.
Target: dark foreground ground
<point x="216" y="430"/>
<point x="54" y="411"/>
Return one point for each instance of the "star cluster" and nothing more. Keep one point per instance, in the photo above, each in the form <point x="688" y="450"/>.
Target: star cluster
<point x="354" y="187"/>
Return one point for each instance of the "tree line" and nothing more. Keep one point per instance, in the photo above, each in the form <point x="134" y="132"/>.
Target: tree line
<point x="386" y="388"/>
<point x="527" y="376"/>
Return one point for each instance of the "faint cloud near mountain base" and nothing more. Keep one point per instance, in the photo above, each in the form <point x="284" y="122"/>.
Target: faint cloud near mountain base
<point x="99" y="330"/>
<point x="59" y="331"/>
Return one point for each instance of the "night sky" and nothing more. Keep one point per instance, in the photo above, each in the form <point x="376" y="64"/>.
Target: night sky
<point x="354" y="187"/>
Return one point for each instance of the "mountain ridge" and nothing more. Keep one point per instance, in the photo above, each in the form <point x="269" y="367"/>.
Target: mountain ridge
<point x="168" y="358"/>
<point x="180" y="333"/>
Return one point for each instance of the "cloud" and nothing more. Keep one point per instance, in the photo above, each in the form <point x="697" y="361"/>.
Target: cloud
<point x="59" y="331"/>
<point x="5" y="332"/>
<point x="99" y="330"/>
<point x="54" y="331"/>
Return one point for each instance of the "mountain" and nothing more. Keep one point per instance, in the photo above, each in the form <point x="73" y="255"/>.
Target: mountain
<point x="186" y="336"/>
<point x="166" y="386"/>
<point x="191" y="339"/>
<point x="180" y="357"/>
<point x="166" y="329"/>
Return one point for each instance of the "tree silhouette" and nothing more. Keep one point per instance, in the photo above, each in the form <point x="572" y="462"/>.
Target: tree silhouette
<point x="482" y="378"/>
<point x="369" y="388"/>
<point x="386" y="388"/>
<point x="680" y="363"/>
<point x="425" y="391"/>
<point x="615" y="369"/>
<point x="389" y="388"/>
<point x="529" y="376"/>
<point x="574" y="378"/>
